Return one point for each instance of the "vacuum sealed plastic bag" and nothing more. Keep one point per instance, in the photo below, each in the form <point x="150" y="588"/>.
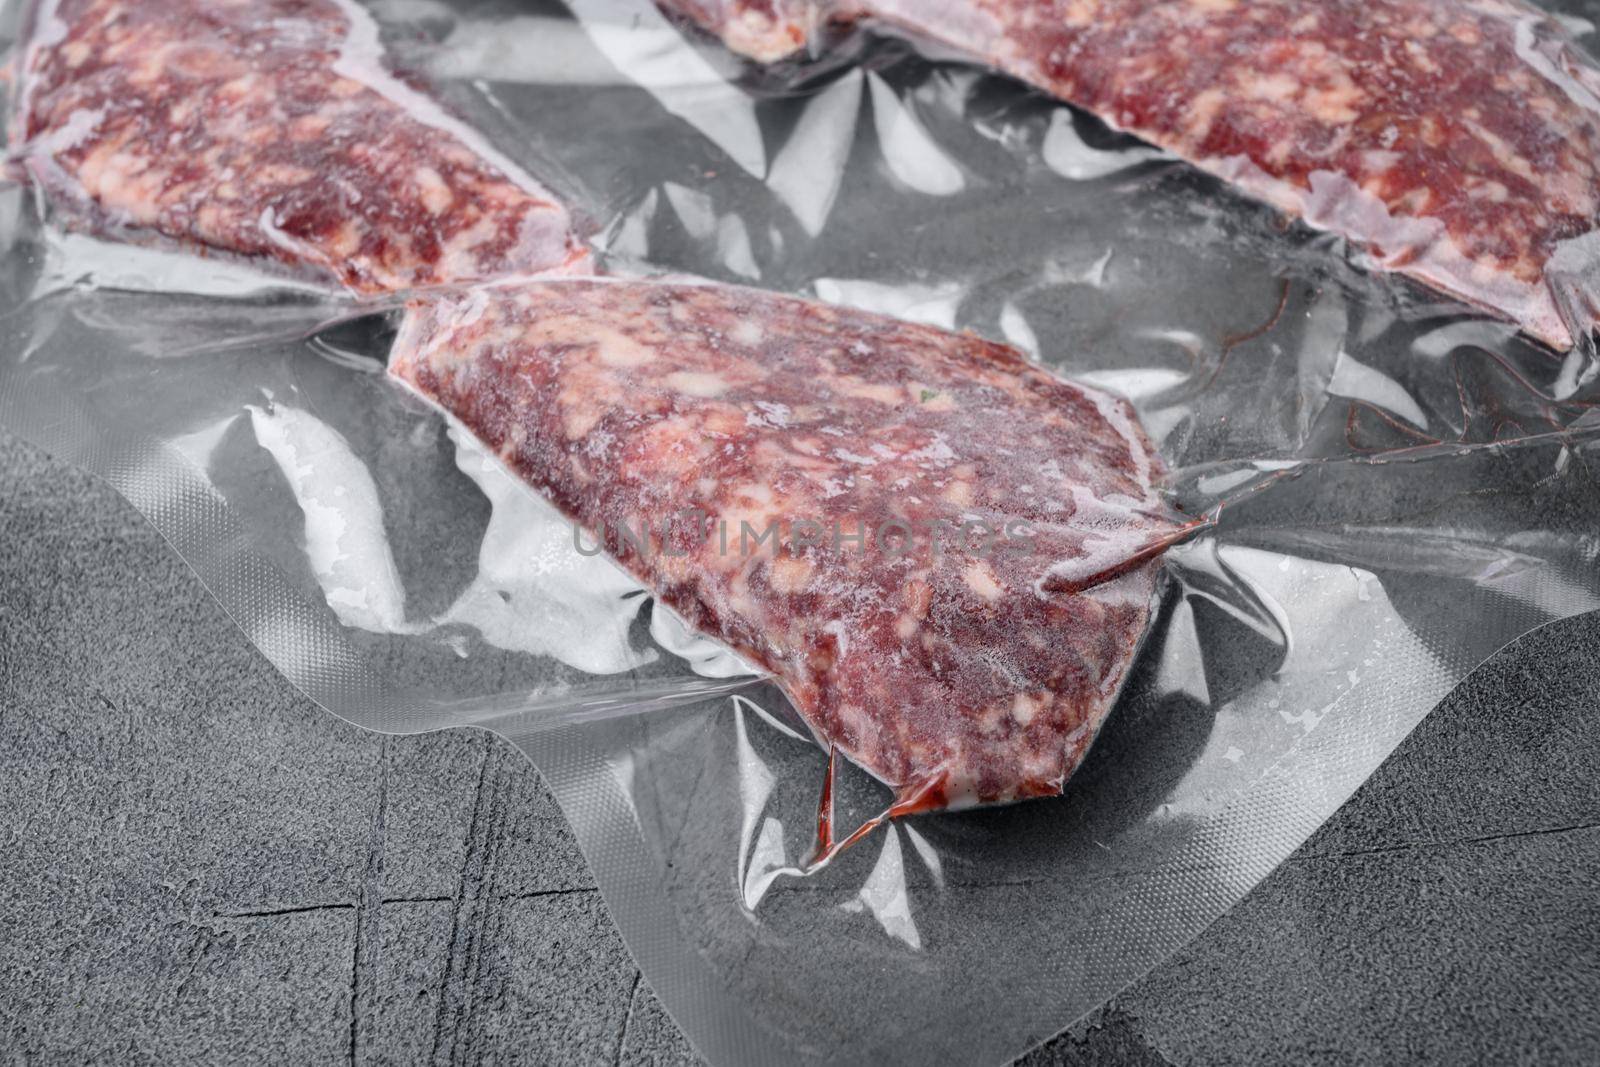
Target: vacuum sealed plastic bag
<point x="1387" y="488"/>
<point x="1455" y="143"/>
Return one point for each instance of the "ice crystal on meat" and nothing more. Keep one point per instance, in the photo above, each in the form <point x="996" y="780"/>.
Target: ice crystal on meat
<point x="269" y="129"/>
<point x="956" y="673"/>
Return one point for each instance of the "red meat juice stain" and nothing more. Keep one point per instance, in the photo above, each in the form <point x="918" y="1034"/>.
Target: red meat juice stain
<point x="924" y="796"/>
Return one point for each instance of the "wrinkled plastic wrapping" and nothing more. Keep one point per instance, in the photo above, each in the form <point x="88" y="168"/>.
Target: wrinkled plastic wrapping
<point x="1401" y="487"/>
<point x="1456" y="143"/>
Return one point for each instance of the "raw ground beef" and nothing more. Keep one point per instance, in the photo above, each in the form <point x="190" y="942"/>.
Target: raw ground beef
<point x="270" y="129"/>
<point x="677" y="422"/>
<point x="1455" y="141"/>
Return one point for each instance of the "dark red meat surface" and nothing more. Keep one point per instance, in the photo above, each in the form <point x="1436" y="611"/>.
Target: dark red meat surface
<point x="958" y="666"/>
<point x="1456" y="141"/>
<point x="270" y="129"/>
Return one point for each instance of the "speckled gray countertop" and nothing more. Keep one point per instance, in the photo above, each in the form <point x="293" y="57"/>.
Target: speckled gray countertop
<point x="200" y="865"/>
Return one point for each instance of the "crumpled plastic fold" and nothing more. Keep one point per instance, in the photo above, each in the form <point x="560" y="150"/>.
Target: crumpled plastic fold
<point x="1400" y="487"/>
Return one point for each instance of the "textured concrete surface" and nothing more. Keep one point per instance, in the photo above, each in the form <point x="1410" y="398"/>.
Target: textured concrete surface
<point x="200" y="865"/>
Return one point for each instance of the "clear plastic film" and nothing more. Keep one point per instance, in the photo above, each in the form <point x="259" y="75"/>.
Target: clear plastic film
<point x="1400" y="486"/>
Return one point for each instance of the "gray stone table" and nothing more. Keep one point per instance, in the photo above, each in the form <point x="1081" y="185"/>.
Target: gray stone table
<point x="196" y="864"/>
